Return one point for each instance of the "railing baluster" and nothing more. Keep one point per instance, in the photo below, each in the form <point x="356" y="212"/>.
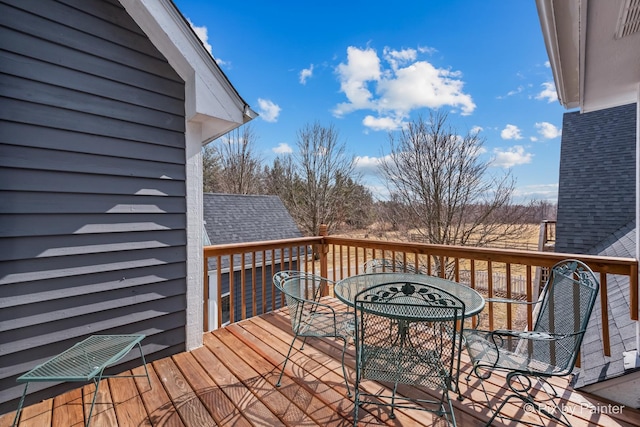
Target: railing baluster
<point x="529" y="298"/>
<point x="264" y="282"/>
<point x="254" y="301"/>
<point x="509" y="296"/>
<point x="490" y="293"/>
<point x="205" y="302"/>
<point x="604" y="304"/>
<point x="219" y="288"/>
<point x="232" y="291"/>
<point x="243" y="293"/>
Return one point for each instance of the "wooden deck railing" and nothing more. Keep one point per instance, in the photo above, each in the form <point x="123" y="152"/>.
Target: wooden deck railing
<point x="248" y="268"/>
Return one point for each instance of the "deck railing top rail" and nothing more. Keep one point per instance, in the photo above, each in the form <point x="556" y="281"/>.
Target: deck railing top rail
<point x="602" y="264"/>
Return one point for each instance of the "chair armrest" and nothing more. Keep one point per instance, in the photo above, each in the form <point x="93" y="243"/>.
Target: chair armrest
<point x="530" y="335"/>
<point x="527" y="335"/>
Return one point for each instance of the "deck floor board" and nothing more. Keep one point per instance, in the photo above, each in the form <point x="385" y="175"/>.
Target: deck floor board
<point x="231" y="381"/>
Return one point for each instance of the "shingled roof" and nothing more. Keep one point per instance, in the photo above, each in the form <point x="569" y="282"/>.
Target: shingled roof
<point x="596" y="215"/>
<point x="239" y="218"/>
<point x="598" y="367"/>
<point x="596" y="193"/>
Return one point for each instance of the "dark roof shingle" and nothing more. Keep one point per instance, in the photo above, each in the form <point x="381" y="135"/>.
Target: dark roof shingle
<point x="238" y="218"/>
<point x="596" y="215"/>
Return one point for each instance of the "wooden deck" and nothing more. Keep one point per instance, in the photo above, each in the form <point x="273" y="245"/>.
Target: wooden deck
<point x="231" y="381"/>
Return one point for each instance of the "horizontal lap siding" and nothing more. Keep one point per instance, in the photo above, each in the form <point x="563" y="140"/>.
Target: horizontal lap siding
<point x="92" y="186"/>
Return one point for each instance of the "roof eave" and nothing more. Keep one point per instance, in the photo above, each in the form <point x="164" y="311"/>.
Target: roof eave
<point x="560" y="22"/>
<point x="210" y="98"/>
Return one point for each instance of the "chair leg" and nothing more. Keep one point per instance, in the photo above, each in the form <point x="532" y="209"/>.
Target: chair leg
<point x="523" y="395"/>
<point x="286" y="359"/>
<point x="533" y="405"/>
<point x="344" y="370"/>
<point x="453" y="415"/>
<point x="356" y="402"/>
<point x="392" y="415"/>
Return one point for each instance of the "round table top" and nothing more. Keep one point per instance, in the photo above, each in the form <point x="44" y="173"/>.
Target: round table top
<point x="346" y="289"/>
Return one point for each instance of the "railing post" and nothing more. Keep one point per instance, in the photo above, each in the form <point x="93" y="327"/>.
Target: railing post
<point x="323" y="251"/>
<point x="205" y="298"/>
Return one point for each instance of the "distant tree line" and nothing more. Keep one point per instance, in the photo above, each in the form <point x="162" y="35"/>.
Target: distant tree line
<point x="437" y="184"/>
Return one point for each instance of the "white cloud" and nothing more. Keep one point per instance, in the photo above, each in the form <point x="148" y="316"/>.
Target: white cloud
<point x="548" y="92"/>
<point x="305" y="74"/>
<point x="476" y="129"/>
<point x="367" y="165"/>
<point x="547" y="192"/>
<point x="516" y="91"/>
<point x="362" y="66"/>
<point x="268" y="111"/>
<point x="427" y="49"/>
<point x="547" y="130"/>
<point x="382" y="123"/>
<point x="283" y="148"/>
<point x="202" y="34"/>
<point x="511" y="132"/>
<point x="422" y="85"/>
<point x="397" y="86"/>
<point x="395" y="58"/>
<point x="511" y="157"/>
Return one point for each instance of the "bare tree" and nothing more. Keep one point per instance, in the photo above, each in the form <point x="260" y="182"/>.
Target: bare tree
<point x="277" y="176"/>
<point x="211" y="169"/>
<point x="359" y="210"/>
<point x="241" y="168"/>
<point x="316" y="182"/>
<point x="445" y="189"/>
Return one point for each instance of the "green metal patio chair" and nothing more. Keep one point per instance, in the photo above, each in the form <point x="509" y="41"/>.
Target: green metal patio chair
<point x="550" y="349"/>
<point x="309" y="316"/>
<point x="407" y="333"/>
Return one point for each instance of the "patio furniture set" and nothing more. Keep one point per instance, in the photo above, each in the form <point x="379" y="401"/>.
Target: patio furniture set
<point x="408" y="329"/>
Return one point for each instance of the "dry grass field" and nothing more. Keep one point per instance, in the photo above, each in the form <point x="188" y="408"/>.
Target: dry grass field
<point x="527" y="241"/>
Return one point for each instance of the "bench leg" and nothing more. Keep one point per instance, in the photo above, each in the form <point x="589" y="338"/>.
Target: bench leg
<point x="93" y="401"/>
<point x="17" y="417"/>
<point x="144" y="363"/>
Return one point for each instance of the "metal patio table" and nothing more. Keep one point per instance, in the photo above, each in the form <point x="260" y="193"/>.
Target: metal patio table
<point x="347" y="289"/>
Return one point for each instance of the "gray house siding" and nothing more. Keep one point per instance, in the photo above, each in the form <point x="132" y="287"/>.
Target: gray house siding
<point x="92" y="186"/>
<point x="272" y="296"/>
<point x="596" y="194"/>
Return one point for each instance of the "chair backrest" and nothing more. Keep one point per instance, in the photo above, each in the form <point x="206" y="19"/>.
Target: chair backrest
<point x="382" y="265"/>
<point x="408" y="333"/>
<point x="567" y="301"/>
<point x="302" y="292"/>
<point x="312" y="285"/>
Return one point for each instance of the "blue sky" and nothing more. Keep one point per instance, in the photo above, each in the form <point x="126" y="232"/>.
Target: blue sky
<point x="368" y="67"/>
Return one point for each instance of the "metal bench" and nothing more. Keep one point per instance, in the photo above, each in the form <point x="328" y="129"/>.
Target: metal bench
<point x="85" y="361"/>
